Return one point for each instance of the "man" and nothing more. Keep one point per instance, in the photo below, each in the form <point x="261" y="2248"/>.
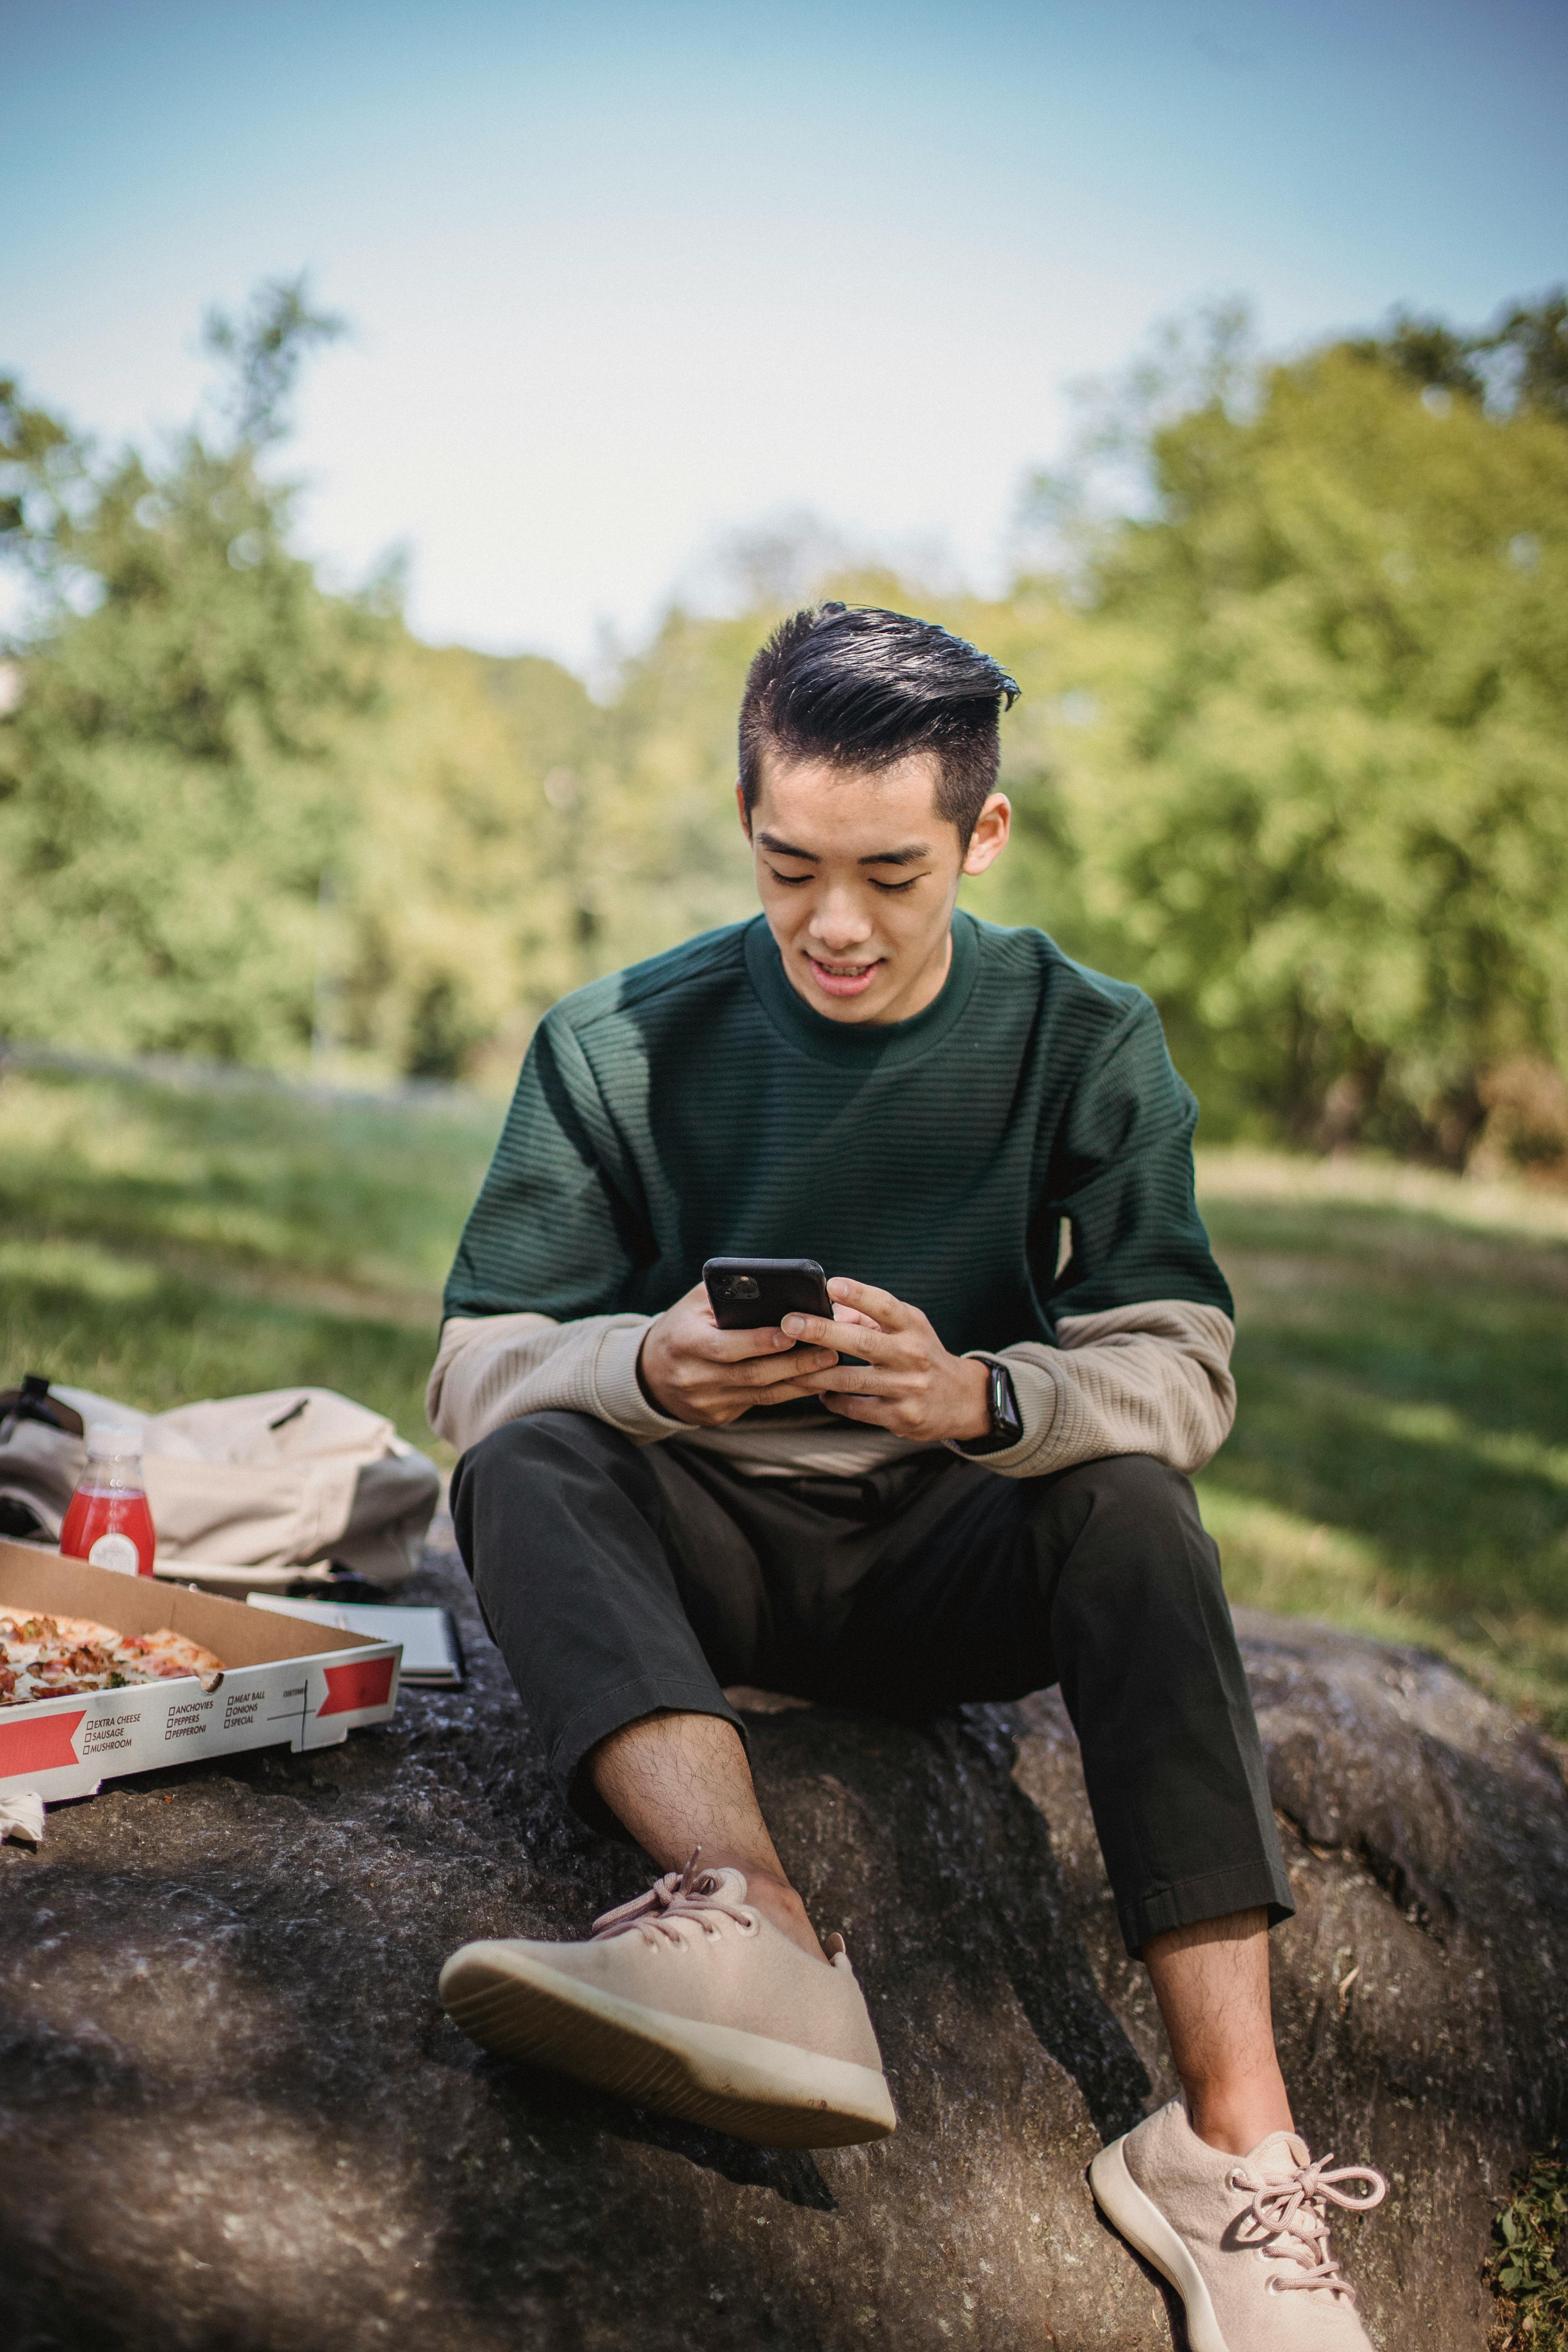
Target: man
<point x="971" y="1482"/>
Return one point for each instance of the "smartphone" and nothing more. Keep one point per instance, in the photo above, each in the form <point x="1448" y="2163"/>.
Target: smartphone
<point x="755" y="1293"/>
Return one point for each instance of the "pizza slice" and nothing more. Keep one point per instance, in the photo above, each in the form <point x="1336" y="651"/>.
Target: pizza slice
<point x="60" y="1657"/>
<point x="165" y="1656"/>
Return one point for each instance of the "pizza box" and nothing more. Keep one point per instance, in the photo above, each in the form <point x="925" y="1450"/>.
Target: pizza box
<point x="283" y="1680"/>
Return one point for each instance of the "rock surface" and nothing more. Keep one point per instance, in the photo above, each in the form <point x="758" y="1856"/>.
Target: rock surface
<point x="233" y="2119"/>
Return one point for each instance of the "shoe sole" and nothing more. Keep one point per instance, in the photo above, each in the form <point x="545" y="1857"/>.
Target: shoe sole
<point x="757" y="2089"/>
<point x="1142" y="2223"/>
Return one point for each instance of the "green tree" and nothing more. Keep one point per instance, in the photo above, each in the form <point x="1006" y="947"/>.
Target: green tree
<point x="1294" y="647"/>
<point x="170" y="790"/>
<point x="453" y="925"/>
<point x="1324" y="817"/>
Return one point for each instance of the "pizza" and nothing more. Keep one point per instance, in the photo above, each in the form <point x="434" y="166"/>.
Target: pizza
<point x="59" y="1657"/>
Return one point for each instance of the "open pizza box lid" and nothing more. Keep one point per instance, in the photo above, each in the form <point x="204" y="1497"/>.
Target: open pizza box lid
<point x="285" y="1681"/>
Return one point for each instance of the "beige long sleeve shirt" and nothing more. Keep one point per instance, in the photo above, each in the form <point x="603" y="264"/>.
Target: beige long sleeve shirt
<point x="1151" y="1378"/>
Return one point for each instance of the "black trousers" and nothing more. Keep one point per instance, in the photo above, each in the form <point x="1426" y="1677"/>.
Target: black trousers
<point x="620" y="1579"/>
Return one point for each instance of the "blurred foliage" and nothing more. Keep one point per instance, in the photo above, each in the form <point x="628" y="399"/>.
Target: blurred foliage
<point x="1294" y="645"/>
<point x="1323" y="813"/>
<point x="169" y="795"/>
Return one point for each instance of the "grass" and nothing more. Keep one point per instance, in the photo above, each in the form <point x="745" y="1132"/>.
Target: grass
<point x="159" y="1244"/>
<point x="1400" y="1462"/>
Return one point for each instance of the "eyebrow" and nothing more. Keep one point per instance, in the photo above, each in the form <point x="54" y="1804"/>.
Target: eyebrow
<point x="911" y="855"/>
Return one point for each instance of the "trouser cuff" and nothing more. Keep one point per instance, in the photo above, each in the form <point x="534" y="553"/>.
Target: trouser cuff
<point x="1259" y="1885"/>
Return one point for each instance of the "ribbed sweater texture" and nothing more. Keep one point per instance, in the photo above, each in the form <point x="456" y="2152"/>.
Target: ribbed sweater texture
<point x="1015" y="1160"/>
<point x="1017" y="1153"/>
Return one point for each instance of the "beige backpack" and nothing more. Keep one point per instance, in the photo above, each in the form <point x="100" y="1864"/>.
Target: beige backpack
<point x="275" y="1482"/>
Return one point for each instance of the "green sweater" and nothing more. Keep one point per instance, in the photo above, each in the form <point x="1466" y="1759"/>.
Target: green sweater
<point x="695" y="1106"/>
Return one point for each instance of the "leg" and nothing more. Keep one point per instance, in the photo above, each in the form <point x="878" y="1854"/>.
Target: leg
<point x="709" y="1996"/>
<point x="676" y="1781"/>
<point x="593" y="1622"/>
<point x="1155" y="1686"/>
<point x="1103" y="1577"/>
<point x="1212" y="1984"/>
<point x="1175" y="1775"/>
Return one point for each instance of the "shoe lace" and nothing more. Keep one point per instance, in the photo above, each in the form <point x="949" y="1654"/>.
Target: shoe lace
<point x="685" y="1894"/>
<point x="1288" y="2218"/>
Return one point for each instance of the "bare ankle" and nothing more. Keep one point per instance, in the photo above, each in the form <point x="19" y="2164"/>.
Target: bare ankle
<point x="1233" y="2116"/>
<point x="779" y="1904"/>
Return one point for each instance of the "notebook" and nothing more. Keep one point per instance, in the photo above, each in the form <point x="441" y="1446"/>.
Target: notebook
<point x="432" y="1655"/>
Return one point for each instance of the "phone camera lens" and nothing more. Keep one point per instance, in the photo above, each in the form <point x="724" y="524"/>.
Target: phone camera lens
<point x="741" y="1285"/>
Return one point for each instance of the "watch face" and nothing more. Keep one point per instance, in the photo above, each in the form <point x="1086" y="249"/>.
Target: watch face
<point x="1005" y="1421"/>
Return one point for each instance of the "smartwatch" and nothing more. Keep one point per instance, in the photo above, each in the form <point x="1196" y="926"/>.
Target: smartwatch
<point x="1006" y="1421"/>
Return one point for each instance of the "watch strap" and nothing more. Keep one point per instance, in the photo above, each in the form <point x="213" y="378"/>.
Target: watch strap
<point x="1006" y="1421"/>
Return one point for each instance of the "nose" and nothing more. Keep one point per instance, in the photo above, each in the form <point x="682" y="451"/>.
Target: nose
<point x="837" y="924"/>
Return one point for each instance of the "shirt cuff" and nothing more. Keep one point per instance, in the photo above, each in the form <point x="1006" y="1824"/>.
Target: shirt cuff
<point x="618" y="1395"/>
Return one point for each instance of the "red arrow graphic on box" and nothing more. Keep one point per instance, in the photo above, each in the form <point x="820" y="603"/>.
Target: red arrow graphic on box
<point x="363" y="1683"/>
<point x="41" y="1745"/>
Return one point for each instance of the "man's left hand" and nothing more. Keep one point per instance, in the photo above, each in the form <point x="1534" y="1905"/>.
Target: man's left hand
<point x="908" y="1382"/>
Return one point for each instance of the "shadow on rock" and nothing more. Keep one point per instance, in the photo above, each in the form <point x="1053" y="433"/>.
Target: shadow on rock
<point x="233" y="2119"/>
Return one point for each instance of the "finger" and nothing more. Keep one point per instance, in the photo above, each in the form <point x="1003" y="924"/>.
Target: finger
<point x="851" y="1379"/>
<point x="868" y="1342"/>
<point x="720" y="1406"/>
<point x="716" y="1347"/>
<point x="767" y="1373"/>
<point x="853" y="1315"/>
<point x="695" y="1304"/>
<point x="874" y="1411"/>
<point x="892" y="1313"/>
<point x="786" y="1392"/>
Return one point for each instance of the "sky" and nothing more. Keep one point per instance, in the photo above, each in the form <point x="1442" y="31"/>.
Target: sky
<point x="627" y="280"/>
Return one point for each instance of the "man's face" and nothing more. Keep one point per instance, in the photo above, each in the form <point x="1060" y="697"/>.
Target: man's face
<point x="858" y="875"/>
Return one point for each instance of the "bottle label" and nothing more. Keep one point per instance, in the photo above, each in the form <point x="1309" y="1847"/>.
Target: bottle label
<point x="117" y="1552"/>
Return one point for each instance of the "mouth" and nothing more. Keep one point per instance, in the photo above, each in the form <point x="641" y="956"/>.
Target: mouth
<point x="844" y="979"/>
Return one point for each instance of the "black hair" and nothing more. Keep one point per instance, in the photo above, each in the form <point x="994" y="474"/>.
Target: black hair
<point x="862" y="688"/>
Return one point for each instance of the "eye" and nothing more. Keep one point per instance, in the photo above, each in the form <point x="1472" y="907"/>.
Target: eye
<point x="893" y="888"/>
<point x="790" y="881"/>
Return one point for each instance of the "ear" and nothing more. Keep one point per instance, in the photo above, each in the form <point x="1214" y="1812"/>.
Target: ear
<point x="989" y="838"/>
<point x="741" y="809"/>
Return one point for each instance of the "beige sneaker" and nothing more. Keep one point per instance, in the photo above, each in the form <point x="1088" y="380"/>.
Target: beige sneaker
<point x="1242" y="2240"/>
<point x="689" y="2000"/>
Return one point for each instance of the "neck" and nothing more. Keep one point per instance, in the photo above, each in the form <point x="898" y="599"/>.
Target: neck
<point x="925" y="1010"/>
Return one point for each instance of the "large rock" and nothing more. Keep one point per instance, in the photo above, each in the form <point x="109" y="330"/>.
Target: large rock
<point x="233" y="2116"/>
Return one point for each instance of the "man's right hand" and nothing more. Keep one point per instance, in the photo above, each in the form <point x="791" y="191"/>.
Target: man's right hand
<point x="697" y="1373"/>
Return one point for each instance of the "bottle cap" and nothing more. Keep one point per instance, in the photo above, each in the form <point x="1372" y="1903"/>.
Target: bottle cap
<point x="109" y="1438"/>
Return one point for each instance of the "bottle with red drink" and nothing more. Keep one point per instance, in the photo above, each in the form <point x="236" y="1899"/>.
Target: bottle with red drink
<point x="109" y="1522"/>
